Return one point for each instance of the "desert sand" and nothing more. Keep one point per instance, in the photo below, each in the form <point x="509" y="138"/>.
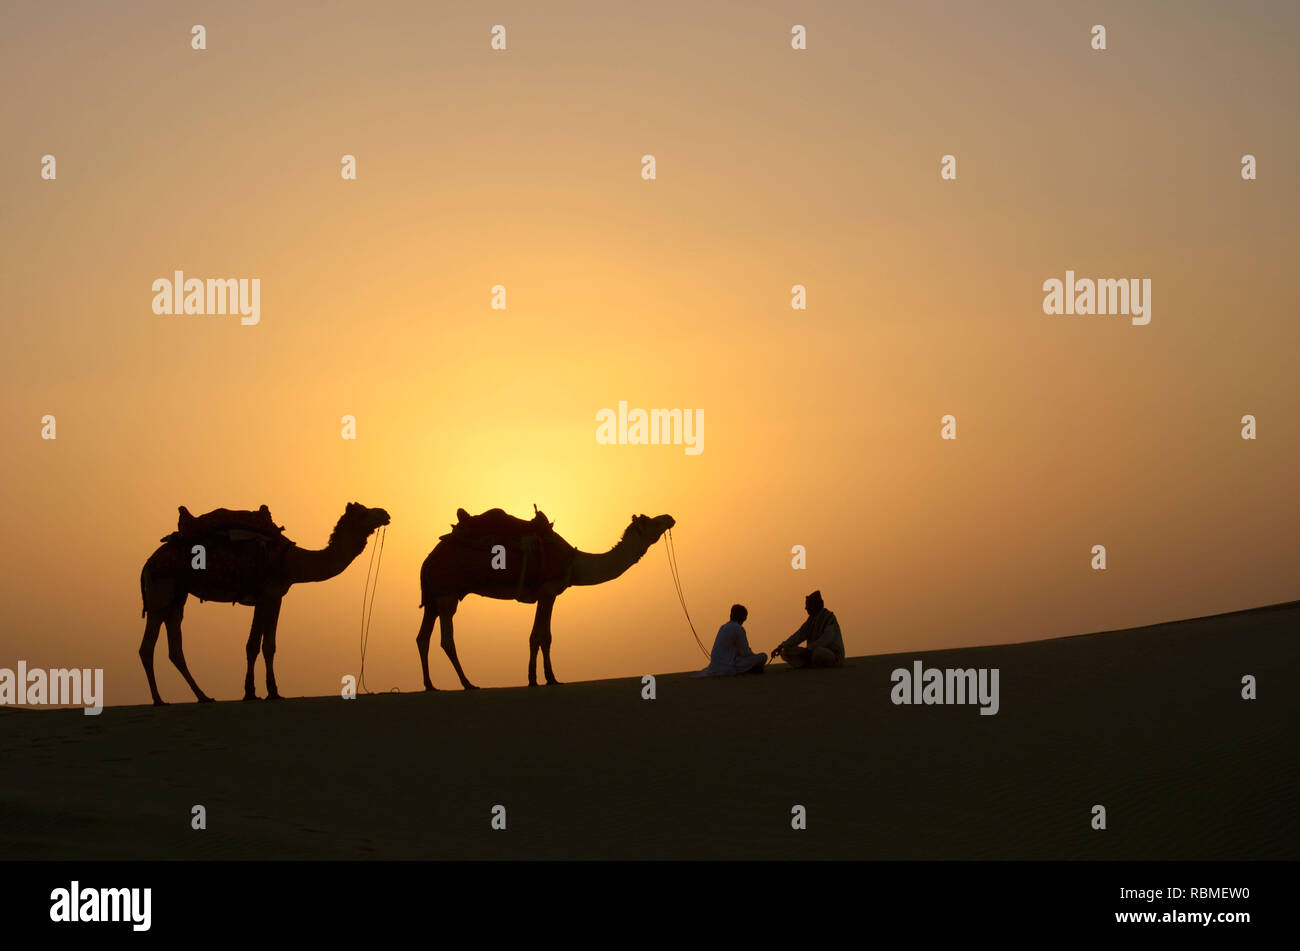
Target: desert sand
<point x="1148" y="722"/>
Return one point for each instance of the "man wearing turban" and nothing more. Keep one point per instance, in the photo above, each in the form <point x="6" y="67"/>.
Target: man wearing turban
<point x="821" y="632"/>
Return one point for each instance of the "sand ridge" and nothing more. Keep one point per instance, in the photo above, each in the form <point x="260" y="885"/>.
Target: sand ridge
<point x="1149" y="722"/>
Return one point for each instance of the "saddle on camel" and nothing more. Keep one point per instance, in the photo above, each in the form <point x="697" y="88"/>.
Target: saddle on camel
<point x="532" y="545"/>
<point x="240" y="545"/>
<point x="237" y="524"/>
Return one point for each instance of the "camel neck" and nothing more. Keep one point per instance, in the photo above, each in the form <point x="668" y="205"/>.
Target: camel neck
<point x="591" y="568"/>
<point x="320" y="564"/>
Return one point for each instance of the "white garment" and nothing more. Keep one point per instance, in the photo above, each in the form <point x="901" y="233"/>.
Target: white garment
<point x="731" y="654"/>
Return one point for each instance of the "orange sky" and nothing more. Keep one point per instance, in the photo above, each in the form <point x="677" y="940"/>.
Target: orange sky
<point x="775" y="167"/>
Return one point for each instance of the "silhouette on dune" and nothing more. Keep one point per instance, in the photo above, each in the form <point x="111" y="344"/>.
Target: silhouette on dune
<point x="244" y="559"/>
<point x="496" y="555"/>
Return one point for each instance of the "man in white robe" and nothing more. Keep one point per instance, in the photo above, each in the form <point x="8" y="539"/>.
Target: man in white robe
<point x="731" y="654"/>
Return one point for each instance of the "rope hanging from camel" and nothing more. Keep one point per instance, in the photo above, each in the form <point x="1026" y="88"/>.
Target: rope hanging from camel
<point x="368" y="613"/>
<point x="677" y="583"/>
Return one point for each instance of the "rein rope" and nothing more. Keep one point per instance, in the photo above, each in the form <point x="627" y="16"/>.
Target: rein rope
<point x="677" y="583"/>
<point x="368" y="613"/>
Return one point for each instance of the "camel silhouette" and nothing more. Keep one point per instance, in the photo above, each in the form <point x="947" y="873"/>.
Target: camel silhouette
<point x="495" y="555"/>
<point x="245" y="559"/>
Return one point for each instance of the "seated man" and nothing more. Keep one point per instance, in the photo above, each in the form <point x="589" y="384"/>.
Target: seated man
<point x="821" y="631"/>
<point x="731" y="654"/>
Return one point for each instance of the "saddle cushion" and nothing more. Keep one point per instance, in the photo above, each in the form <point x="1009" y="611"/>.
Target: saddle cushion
<point x="499" y="524"/>
<point x="227" y="521"/>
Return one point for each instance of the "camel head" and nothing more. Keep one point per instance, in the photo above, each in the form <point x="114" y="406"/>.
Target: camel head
<point x="649" y="530"/>
<point x="359" y="521"/>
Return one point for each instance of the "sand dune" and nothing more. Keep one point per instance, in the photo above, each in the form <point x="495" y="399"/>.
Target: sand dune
<point x="1148" y="722"/>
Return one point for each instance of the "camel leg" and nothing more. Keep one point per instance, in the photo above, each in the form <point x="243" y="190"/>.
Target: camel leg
<point x="534" y="644"/>
<point x="544" y="617"/>
<point x="176" y="653"/>
<point x="250" y="652"/>
<point x="446" y="608"/>
<point x="422" y="642"/>
<point x="265" y="616"/>
<point x="270" y="621"/>
<point x="151" y="628"/>
<point x="540" y="638"/>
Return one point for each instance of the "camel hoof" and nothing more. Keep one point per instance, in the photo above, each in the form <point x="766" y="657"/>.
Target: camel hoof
<point x="251" y="696"/>
<point x="274" y="696"/>
<point x="470" y="687"/>
<point x="430" y="688"/>
<point x="532" y="683"/>
<point x="206" y="700"/>
<point x="554" y="683"/>
<point x="159" y="702"/>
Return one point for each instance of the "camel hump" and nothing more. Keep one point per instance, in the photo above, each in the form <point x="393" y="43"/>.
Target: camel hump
<point x="228" y="520"/>
<point x="497" y="523"/>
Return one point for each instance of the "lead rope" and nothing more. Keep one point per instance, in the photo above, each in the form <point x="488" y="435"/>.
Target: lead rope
<point x="677" y="583"/>
<point x="368" y="613"/>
